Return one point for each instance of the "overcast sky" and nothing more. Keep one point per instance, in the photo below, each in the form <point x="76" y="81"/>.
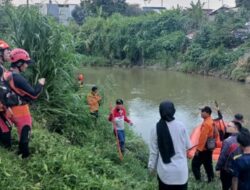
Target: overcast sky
<point x="166" y="3"/>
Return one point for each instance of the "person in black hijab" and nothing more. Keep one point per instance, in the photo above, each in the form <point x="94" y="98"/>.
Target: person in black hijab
<point x="165" y="143"/>
<point x="168" y="146"/>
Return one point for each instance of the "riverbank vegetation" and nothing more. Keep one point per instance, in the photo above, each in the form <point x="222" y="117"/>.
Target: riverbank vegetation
<point x="68" y="150"/>
<point x="189" y="40"/>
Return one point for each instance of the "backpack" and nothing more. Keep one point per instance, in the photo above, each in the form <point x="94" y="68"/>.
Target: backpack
<point x="8" y="97"/>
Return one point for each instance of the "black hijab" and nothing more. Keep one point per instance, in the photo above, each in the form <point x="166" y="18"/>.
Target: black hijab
<point x="165" y="143"/>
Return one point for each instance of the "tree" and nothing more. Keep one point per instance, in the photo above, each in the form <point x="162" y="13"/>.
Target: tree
<point x="79" y="15"/>
<point x="133" y="10"/>
<point x="4" y="25"/>
<point x="108" y="7"/>
<point x="6" y="2"/>
<point x="196" y="14"/>
<point x="243" y="3"/>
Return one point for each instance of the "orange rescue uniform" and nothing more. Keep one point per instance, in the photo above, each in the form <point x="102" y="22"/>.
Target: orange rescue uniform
<point x="93" y="102"/>
<point x="206" y="132"/>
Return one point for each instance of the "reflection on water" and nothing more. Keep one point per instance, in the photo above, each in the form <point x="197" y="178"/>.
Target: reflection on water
<point x="143" y="90"/>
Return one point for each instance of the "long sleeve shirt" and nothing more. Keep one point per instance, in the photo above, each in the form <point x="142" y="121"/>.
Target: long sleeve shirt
<point x="175" y="172"/>
<point x="229" y="146"/>
<point x="93" y="102"/>
<point x="22" y="87"/>
<point x="206" y="132"/>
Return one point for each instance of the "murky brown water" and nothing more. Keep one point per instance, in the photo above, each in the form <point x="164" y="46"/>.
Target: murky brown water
<point x="143" y="90"/>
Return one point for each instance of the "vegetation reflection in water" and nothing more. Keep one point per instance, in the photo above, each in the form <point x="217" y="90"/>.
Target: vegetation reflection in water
<point x="143" y="90"/>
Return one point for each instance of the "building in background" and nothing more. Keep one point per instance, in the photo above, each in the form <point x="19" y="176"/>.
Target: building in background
<point x="153" y="9"/>
<point x="61" y="12"/>
<point x="169" y="4"/>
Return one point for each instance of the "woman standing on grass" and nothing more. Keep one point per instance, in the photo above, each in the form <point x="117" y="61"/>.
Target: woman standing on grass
<point x="168" y="146"/>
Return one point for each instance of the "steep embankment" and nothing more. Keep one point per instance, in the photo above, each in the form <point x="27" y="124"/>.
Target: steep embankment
<point x="241" y="72"/>
<point x="57" y="164"/>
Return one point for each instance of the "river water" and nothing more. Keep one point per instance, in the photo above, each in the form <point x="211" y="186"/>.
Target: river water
<point x="143" y="90"/>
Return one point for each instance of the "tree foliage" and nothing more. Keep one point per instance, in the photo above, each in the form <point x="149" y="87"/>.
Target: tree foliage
<point x="51" y="46"/>
<point x="162" y="36"/>
<point x="4" y="25"/>
<point x="132" y="38"/>
<point x="196" y="14"/>
<point x="243" y="3"/>
<point x="79" y="15"/>
<point x="107" y="7"/>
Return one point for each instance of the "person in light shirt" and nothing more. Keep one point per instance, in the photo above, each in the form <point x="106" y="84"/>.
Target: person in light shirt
<point x="168" y="146"/>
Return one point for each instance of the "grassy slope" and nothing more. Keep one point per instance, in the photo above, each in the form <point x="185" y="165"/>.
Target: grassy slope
<point x="56" y="164"/>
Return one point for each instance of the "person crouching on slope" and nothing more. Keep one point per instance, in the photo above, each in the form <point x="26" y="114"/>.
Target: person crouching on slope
<point x="21" y="117"/>
<point x="118" y="115"/>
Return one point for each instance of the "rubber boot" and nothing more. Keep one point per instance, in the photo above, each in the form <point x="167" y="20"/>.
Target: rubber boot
<point x="24" y="142"/>
<point x="5" y="139"/>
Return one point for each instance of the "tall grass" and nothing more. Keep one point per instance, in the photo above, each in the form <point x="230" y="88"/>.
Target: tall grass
<point x="52" y="48"/>
<point x="56" y="164"/>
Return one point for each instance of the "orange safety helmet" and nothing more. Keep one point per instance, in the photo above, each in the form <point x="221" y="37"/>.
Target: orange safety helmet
<point x="19" y="54"/>
<point x="4" y="45"/>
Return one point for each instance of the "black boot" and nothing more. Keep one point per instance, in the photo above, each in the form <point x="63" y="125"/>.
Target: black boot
<point x="5" y="139"/>
<point x="24" y="150"/>
<point x="24" y="142"/>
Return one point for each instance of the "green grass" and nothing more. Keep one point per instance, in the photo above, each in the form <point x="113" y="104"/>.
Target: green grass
<point x="203" y="185"/>
<point x="57" y="164"/>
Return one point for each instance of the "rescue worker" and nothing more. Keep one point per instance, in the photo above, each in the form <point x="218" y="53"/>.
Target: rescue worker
<point x="4" y="52"/>
<point x="21" y="117"/>
<point x="4" y="123"/>
<point x="94" y="100"/>
<point x="203" y="156"/>
<point x="5" y="126"/>
<point x="219" y="124"/>
<point x="80" y="80"/>
<point x="241" y="163"/>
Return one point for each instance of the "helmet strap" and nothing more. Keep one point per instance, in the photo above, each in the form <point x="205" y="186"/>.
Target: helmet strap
<point x="17" y="64"/>
<point x="1" y="54"/>
<point x="19" y="69"/>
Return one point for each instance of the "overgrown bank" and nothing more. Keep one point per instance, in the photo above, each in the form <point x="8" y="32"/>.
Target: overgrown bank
<point x="188" y="40"/>
<point x="57" y="164"/>
<point x="67" y="150"/>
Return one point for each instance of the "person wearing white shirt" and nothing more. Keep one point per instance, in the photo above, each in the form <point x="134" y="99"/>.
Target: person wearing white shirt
<point x="168" y="146"/>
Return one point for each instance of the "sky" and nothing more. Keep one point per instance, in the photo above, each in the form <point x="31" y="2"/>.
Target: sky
<point x="213" y="4"/>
